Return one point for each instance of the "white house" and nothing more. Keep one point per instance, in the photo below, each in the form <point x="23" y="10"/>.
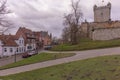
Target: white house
<point x="1" y="52"/>
<point x="21" y="44"/>
<point x="24" y="40"/>
<point x="7" y="45"/>
<point x="11" y="44"/>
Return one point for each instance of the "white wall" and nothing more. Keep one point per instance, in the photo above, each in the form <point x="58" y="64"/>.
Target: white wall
<point x="21" y="47"/>
<point x="1" y="53"/>
<point x="8" y="51"/>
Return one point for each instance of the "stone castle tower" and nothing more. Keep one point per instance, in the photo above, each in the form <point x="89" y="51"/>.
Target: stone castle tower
<point x="102" y="13"/>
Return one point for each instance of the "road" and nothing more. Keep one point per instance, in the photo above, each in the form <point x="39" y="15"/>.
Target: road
<point x="11" y="59"/>
<point x="8" y="60"/>
<point x="80" y="55"/>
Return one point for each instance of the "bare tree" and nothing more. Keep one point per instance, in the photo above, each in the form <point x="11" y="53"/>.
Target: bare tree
<point x="73" y="19"/>
<point x="4" y="23"/>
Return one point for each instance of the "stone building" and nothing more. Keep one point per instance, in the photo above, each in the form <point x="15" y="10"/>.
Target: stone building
<point x="102" y="28"/>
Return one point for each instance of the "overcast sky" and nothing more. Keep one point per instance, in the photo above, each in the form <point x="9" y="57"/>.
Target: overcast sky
<point x="48" y="14"/>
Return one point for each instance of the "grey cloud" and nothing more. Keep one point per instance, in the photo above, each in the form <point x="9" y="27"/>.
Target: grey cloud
<point x="34" y="19"/>
<point x="48" y="14"/>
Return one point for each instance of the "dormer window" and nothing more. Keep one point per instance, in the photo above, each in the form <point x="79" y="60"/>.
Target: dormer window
<point x="28" y="35"/>
<point x="20" y="41"/>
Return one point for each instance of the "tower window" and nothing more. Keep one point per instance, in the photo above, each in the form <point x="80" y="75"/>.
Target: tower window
<point x="102" y="14"/>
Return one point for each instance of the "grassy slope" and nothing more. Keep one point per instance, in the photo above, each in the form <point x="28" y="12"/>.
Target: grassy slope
<point x="100" y="68"/>
<point x="38" y="58"/>
<point x="87" y="45"/>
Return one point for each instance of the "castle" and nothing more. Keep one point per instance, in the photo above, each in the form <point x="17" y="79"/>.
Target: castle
<point x="103" y="28"/>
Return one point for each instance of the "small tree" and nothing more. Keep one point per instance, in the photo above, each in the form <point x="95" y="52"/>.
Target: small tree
<point x="73" y="19"/>
<point x="4" y="23"/>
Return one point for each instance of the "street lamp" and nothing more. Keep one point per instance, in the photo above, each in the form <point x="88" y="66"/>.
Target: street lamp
<point x="15" y="57"/>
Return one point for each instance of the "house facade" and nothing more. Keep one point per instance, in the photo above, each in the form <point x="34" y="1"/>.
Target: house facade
<point x="39" y="42"/>
<point x="29" y="37"/>
<point x="25" y="40"/>
<point x="1" y="49"/>
<point x="34" y="40"/>
<point x="8" y="45"/>
<point x="46" y="38"/>
<point x="21" y="44"/>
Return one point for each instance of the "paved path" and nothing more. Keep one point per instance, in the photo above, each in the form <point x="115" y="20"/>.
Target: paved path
<point x="79" y="56"/>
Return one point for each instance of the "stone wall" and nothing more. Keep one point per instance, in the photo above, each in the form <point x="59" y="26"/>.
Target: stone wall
<point x="106" y="24"/>
<point x="101" y="30"/>
<point x="106" y="33"/>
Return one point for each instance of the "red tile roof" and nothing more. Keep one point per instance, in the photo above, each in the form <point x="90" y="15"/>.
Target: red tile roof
<point x="24" y="31"/>
<point x="8" y="40"/>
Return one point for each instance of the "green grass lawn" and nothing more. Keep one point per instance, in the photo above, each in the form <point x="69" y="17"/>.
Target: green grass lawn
<point x="38" y="58"/>
<point x="86" y="44"/>
<point x="100" y="68"/>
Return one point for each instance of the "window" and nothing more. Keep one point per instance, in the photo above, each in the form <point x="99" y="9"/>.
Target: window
<point x="22" y="49"/>
<point x="28" y="35"/>
<point x="29" y="47"/>
<point x="32" y="40"/>
<point x="20" y="41"/>
<point x="11" y="50"/>
<point x="5" y="49"/>
<point x="17" y="49"/>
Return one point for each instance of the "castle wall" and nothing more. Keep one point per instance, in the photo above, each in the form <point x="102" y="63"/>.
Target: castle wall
<point x="101" y="30"/>
<point x="106" y="24"/>
<point x="84" y="28"/>
<point x="106" y="33"/>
